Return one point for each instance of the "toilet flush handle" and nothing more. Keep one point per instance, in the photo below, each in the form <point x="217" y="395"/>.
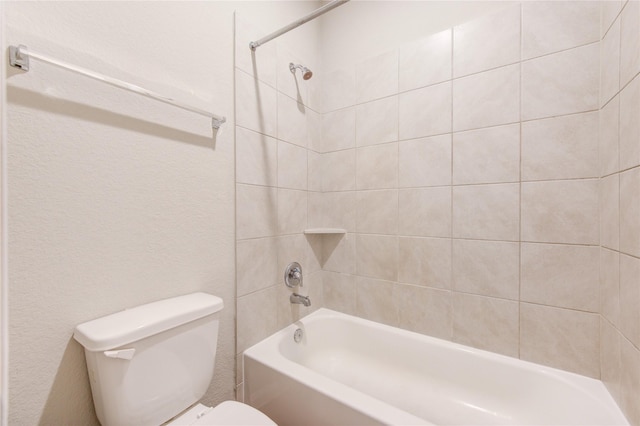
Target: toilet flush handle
<point x="122" y="353"/>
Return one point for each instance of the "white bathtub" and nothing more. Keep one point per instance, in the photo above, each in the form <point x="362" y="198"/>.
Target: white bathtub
<point x="350" y="371"/>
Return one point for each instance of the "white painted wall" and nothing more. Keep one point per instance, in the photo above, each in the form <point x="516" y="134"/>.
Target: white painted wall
<point x="361" y="29"/>
<point x="3" y="282"/>
<point x="117" y="200"/>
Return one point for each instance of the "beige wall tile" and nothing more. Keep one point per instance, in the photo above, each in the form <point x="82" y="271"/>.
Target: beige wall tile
<point x="256" y="211"/>
<point x="256" y="317"/>
<point x="630" y="125"/>
<point x="316" y="214"/>
<point x="608" y="138"/>
<point x="292" y="121"/>
<point x="377" y="212"/>
<point x="340" y="292"/>
<point x="377" y="121"/>
<point x="630" y="298"/>
<point x="487" y="155"/>
<point x="339" y="253"/>
<point x="551" y="26"/>
<point x="630" y="382"/>
<point x="315" y="169"/>
<point x="610" y="285"/>
<point x="338" y="172"/>
<point x="314" y="250"/>
<point x="292" y="166"/>
<point x="425" y="162"/>
<point x="377" y="256"/>
<point x="297" y="248"/>
<point x="486" y="323"/>
<point x="487" y="42"/>
<point x="609" y="12"/>
<point x="315" y="91"/>
<point x="487" y="99"/>
<point x="560" y="211"/>
<point x="561" y="83"/>
<point x="425" y="212"/>
<point x="377" y="77"/>
<point x="374" y="301"/>
<point x="425" y="61"/>
<point x="610" y="368"/>
<point x="292" y="211"/>
<point x="630" y="212"/>
<point x="610" y="211"/>
<point x="339" y="89"/>
<point x="314" y="129"/>
<point x="260" y="63"/>
<point x="377" y="167"/>
<point x="610" y="63"/>
<point x="560" y="338"/>
<point x="256" y="104"/>
<point x="288" y="83"/>
<point x="629" y="42"/>
<point x="257" y="260"/>
<point x="425" y="261"/>
<point x="487" y="268"/>
<point x="426" y="111"/>
<point x="256" y="158"/>
<point x="486" y="212"/>
<point x="342" y="213"/>
<point x="560" y="275"/>
<point x="339" y="130"/>
<point x="560" y="148"/>
<point x="424" y="310"/>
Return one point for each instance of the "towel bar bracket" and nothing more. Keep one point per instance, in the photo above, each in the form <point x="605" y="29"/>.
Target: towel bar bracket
<point x="17" y="59"/>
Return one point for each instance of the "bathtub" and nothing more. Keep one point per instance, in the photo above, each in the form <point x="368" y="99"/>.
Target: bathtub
<point x="349" y="371"/>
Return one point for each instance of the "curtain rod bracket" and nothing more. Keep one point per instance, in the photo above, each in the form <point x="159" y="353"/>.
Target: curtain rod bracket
<point x="17" y="59"/>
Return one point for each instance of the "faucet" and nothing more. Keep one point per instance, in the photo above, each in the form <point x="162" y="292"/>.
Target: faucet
<point x="299" y="299"/>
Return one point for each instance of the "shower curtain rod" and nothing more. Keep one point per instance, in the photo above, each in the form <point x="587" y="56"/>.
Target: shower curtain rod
<point x="321" y="11"/>
<point x="19" y="58"/>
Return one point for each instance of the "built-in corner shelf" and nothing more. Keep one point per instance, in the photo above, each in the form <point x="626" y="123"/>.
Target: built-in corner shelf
<point x="325" y="231"/>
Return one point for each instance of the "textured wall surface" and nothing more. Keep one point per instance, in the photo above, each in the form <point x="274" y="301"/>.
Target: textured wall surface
<point x="117" y="200"/>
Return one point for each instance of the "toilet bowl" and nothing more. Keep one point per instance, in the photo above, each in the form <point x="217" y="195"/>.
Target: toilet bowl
<point x="149" y="364"/>
<point x="228" y="413"/>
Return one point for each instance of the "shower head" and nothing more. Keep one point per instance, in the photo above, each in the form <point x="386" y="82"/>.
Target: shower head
<point x="306" y="72"/>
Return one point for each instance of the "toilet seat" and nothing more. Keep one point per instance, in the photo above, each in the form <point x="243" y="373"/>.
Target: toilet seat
<point x="228" y="413"/>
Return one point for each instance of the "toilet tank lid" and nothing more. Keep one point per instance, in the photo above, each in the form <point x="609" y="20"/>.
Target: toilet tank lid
<point x="143" y="321"/>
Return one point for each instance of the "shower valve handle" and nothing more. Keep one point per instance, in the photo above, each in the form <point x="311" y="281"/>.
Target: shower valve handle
<point x="293" y="275"/>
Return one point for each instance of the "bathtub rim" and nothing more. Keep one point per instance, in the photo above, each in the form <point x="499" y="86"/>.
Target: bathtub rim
<point x="267" y="352"/>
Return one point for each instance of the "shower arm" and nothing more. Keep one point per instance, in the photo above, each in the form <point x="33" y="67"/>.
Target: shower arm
<point x="320" y="11"/>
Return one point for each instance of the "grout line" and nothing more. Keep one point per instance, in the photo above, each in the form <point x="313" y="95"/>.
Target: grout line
<point x="520" y="189"/>
<point x="452" y="283"/>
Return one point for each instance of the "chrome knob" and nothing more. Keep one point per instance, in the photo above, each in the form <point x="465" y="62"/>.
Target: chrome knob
<point x="293" y="275"/>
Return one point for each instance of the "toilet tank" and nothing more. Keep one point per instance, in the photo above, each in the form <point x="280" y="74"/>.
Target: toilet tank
<point x="149" y="363"/>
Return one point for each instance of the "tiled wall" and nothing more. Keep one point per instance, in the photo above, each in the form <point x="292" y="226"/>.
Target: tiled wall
<point x="486" y="176"/>
<point x="465" y="168"/>
<point x="277" y="120"/>
<point x="620" y="204"/>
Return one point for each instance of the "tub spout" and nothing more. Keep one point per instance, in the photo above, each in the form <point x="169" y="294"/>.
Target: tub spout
<point x="299" y="299"/>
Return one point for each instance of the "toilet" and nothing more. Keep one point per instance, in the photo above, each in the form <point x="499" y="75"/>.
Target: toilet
<point x="151" y="364"/>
